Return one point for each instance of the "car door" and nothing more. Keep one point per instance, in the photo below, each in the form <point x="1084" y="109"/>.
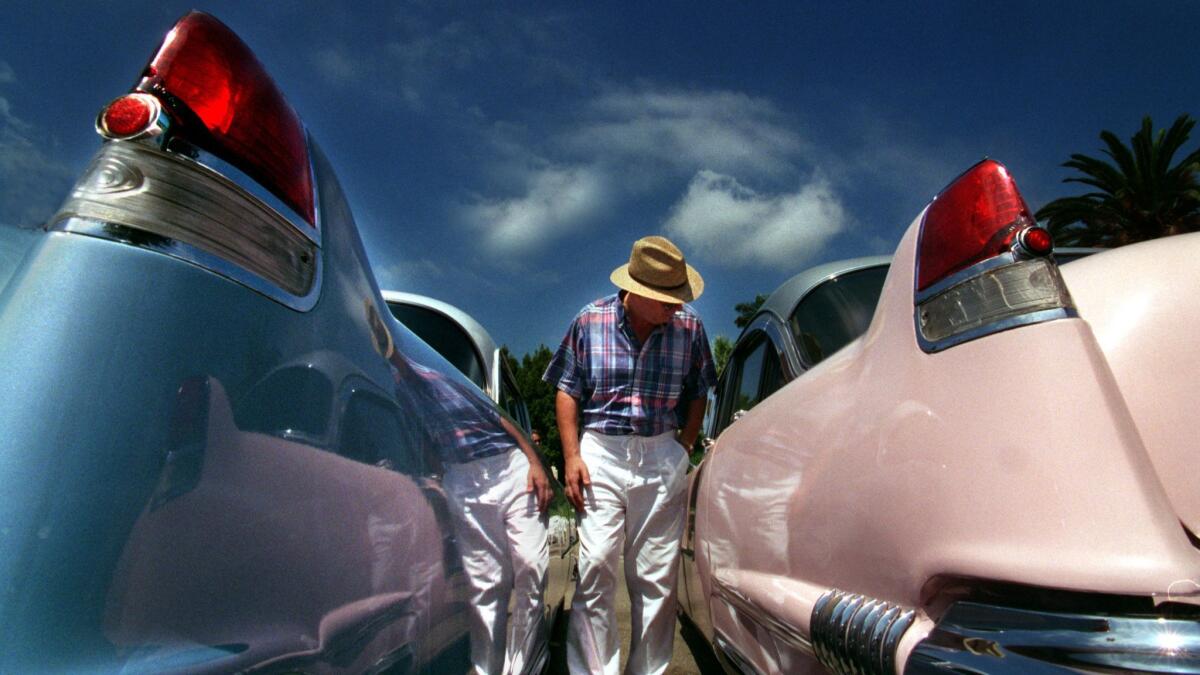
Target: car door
<point x="756" y="369"/>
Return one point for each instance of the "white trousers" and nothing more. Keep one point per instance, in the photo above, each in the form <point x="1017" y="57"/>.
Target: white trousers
<point x="502" y="539"/>
<point x="636" y="507"/>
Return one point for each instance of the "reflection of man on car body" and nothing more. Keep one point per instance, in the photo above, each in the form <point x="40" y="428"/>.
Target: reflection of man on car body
<point x="634" y="368"/>
<point x="498" y="492"/>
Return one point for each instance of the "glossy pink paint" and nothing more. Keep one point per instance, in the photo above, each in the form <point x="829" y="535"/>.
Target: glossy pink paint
<point x="1058" y="455"/>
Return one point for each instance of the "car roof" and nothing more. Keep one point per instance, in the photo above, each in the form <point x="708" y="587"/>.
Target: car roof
<point x="479" y="336"/>
<point x="783" y="300"/>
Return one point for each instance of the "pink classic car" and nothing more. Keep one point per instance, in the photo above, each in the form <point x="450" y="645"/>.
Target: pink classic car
<point x="969" y="460"/>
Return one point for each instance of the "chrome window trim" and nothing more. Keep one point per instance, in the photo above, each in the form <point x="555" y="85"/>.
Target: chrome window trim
<point x="179" y="250"/>
<point x="780" y="337"/>
<point x="804" y="283"/>
<point x="872" y="264"/>
<point x="476" y="335"/>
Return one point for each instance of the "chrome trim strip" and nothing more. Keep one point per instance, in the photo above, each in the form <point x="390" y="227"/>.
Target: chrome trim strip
<point x="777" y="334"/>
<point x="751" y="610"/>
<point x="726" y="649"/>
<point x="188" y="253"/>
<point x="210" y="162"/>
<point x="857" y="635"/>
<point x="973" y="637"/>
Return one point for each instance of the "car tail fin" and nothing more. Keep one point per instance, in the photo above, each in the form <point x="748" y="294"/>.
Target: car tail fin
<point x="983" y="264"/>
<point x="207" y="162"/>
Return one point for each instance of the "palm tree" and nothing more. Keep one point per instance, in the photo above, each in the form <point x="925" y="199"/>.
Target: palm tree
<point x="1140" y="197"/>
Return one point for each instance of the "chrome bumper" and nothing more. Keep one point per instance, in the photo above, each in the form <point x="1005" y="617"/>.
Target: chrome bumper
<point x="979" y="638"/>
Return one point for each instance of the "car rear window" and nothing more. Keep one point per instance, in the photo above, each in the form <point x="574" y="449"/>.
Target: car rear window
<point x="836" y="312"/>
<point x="445" y="336"/>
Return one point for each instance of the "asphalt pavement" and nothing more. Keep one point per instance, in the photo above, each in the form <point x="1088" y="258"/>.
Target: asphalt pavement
<point x="690" y="657"/>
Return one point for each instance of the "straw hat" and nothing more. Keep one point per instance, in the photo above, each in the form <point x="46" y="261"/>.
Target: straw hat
<point x="657" y="270"/>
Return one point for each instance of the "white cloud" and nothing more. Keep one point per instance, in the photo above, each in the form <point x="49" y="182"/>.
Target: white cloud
<point x="409" y="275"/>
<point x="717" y="130"/>
<point x="336" y="66"/>
<point x="557" y="200"/>
<point x="32" y="184"/>
<point x="730" y="224"/>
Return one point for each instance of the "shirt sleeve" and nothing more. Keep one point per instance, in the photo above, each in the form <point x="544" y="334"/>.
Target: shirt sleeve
<point x="703" y="373"/>
<point x="565" y="370"/>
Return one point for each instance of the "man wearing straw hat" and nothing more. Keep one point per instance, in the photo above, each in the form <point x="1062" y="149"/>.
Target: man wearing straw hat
<point x="632" y="374"/>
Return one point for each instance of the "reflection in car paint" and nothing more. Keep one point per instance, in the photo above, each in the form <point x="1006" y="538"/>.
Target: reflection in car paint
<point x="201" y="473"/>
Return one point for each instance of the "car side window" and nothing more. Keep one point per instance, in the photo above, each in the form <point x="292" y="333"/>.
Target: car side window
<point x="756" y="372"/>
<point x="749" y="375"/>
<point x="836" y="312"/>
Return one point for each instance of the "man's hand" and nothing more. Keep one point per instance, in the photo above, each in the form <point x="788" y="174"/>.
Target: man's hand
<point x="577" y="479"/>
<point x="539" y="484"/>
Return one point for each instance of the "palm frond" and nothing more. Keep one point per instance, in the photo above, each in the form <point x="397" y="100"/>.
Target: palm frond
<point x="1138" y="195"/>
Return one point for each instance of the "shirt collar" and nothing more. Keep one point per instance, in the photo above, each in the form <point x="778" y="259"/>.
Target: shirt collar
<point x="625" y="327"/>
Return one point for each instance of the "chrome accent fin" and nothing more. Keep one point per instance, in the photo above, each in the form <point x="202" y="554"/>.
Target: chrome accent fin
<point x="857" y="635"/>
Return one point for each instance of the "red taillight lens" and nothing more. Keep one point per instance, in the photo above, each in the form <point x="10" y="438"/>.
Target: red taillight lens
<point x="973" y="219"/>
<point x="128" y="116"/>
<point x="229" y="106"/>
<point x="1037" y="240"/>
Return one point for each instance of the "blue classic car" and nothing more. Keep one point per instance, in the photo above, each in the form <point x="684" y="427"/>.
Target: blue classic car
<point x="221" y="451"/>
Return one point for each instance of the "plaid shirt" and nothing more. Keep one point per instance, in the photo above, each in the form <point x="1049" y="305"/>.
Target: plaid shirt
<point x="461" y="421"/>
<point x="625" y="387"/>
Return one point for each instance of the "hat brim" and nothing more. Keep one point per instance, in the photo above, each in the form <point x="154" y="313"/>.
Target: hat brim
<point x="686" y="292"/>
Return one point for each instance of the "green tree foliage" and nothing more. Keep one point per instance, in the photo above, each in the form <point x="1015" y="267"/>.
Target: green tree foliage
<point x="746" y="310"/>
<point x="1137" y="196"/>
<point x="539" y="396"/>
<point x="722" y="347"/>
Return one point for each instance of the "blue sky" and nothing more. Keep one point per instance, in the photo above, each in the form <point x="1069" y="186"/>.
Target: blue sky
<point x="503" y="157"/>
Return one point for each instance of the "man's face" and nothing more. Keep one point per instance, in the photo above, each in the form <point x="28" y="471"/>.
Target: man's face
<point x="653" y="312"/>
<point x="536" y="438"/>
